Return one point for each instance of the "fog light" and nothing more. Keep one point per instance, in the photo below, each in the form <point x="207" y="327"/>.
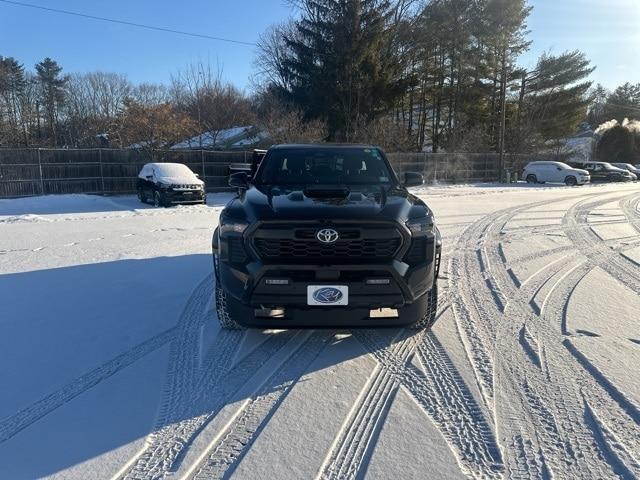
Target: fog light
<point x="383" y="313"/>
<point x="378" y="281"/>
<point x="276" y="281"/>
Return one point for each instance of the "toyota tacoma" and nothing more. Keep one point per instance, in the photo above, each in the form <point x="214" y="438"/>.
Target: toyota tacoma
<point x="325" y="236"/>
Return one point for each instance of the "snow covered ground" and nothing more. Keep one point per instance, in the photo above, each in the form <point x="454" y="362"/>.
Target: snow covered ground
<point x="112" y="364"/>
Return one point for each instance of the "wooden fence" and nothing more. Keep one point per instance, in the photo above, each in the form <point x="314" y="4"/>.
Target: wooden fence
<point x="27" y="172"/>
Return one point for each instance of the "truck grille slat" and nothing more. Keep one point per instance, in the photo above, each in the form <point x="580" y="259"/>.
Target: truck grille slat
<point x="299" y="244"/>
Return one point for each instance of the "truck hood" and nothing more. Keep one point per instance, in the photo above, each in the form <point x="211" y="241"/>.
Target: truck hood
<point x="361" y="203"/>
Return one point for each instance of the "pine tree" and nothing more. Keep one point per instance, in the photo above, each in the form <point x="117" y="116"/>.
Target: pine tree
<point x="619" y="144"/>
<point x="52" y="85"/>
<point x="12" y="85"/>
<point x="624" y="102"/>
<point x="597" y="113"/>
<point x="341" y="67"/>
<point x="557" y="96"/>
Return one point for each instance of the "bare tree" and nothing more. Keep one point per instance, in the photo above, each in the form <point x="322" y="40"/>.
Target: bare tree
<point x="92" y="102"/>
<point x="150" y="94"/>
<point x="273" y="52"/>
<point x="211" y="102"/>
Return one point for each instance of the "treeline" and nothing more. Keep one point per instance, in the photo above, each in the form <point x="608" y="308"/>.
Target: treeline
<point x="440" y="75"/>
<point x="48" y="108"/>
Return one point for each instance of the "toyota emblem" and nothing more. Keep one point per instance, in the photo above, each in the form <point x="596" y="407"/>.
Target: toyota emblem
<point x="327" y="235"/>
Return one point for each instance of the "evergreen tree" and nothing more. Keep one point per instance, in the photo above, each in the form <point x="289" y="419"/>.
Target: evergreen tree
<point x="597" y="109"/>
<point x="52" y="85"/>
<point x="557" y="96"/>
<point x="619" y="144"/>
<point x="12" y="85"/>
<point x="341" y="67"/>
<point x="624" y="102"/>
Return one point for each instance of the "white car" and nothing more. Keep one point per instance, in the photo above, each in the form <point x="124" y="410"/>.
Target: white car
<point x="555" y="172"/>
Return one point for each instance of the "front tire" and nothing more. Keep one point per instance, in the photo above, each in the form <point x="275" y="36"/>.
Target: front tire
<point x="429" y="317"/>
<point x="570" y="181"/>
<point x="224" y="308"/>
<point x="532" y="179"/>
<point x="142" y="196"/>
<point x="157" y="200"/>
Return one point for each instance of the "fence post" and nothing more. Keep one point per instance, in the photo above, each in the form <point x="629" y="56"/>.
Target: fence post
<point x="204" y="172"/>
<point x="40" y="169"/>
<point x="101" y="171"/>
<point x="435" y="168"/>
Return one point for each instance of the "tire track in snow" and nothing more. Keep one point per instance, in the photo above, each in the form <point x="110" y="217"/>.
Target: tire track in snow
<point x="629" y="207"/>
<point x="37" y="410"/>
<point x="166" y="447"/>
<point x="591" y="246"/>
<point x="223" y="456"/>
<point x="554" y="401"/>
<point x="355" y="440"/>
<point x="476" y="338"/>
<point x="442" y="395"/>
<point x="622" y="415"/>
<point x="518" y="425"/>
<point x="623" y="462"/>
<point x="556" y="433"/>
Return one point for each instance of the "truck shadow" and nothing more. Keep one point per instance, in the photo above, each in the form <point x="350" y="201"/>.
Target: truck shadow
<point x="99" y="362"/>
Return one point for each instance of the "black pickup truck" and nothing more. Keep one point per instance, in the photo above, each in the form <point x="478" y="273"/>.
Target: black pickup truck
<point x="325" y="236"/>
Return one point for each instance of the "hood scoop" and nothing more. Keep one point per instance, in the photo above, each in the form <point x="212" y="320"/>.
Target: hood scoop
<point x="326" y="191"/>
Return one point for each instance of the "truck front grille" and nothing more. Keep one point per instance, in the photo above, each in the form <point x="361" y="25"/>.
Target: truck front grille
<point x="299" y="245"/>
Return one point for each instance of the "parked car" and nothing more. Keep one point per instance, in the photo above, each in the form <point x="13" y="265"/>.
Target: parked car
<point x="166" y="184"/>
<point x="604" y="172"/>
<point x="554" y="172"/>
<point x="325" y="236"/>
<point x="630" y="168"/>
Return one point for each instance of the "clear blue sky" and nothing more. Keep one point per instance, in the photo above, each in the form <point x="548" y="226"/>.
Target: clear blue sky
<point x="607" y="31"/>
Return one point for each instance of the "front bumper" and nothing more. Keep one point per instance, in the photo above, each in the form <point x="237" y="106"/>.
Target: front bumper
<point x="246" y="281"/>
<point x="186" y="196"/>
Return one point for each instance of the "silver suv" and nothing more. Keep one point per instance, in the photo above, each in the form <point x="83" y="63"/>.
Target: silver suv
<point x="555" y="172"/>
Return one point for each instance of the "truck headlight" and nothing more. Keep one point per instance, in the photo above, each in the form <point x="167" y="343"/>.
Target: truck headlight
<point x="419" y="226"/>
<point x="232" y="226"/>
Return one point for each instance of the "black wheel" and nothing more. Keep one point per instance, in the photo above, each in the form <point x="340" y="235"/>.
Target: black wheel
<point x="157" y="200"/>
<point x="422" y="313"/>
<point x="570" y="181"/>
<point x="429" y="314"/>
<point x="227" y="309"/>
<point x="142" y="196"/>
<point x="532" y="179"/>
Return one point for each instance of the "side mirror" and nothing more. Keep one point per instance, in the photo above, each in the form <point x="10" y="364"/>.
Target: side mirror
<point x="413" y="179"/>
<point x="197" y="175"/>
<point x="239" y="180"/>
<point x="149" y="177"/>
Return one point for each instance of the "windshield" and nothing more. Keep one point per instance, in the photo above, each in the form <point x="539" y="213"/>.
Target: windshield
<point x="331" y="166"/>
<point x="173" y="170"/>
